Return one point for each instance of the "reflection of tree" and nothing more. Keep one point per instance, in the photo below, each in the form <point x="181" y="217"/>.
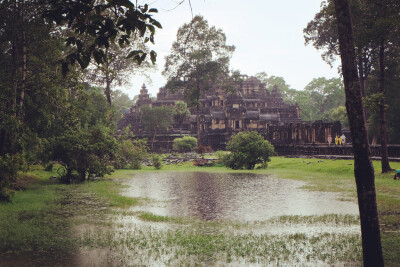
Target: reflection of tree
<point x="206" y="196"/>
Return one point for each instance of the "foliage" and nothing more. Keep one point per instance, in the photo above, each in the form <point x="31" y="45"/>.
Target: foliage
<point x="181" y="112"/>
<point x="340" y="114"/>
<point x="271" y="82"/>
<point x="105" y="23"/>
<point x="199" y="59"/>
<point x="247" y="149"/>
<point x="156" y="119"/>
<point x="319" y="98"/>
<point x="117" y="69"/>
<point x="185" y="144"/>
<point x="156" y="160"/>
<point x="84" y="151"/>
<point x="9" y="167"/>
<point x="131" y="153"/>
<point x="121" y="103"/>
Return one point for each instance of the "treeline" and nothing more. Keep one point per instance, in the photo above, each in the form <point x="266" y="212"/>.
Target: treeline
<point x="53" y="53"/>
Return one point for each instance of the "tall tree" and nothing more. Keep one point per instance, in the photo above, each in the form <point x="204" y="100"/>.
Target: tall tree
<point x="117" y="69"/>
<point x="272" y="81"/>
<point x="324" y="95"/>
<point x="375" y="23"/>
<point x="199" y="61"/>
<point x="98" y="24"/>
<point x="181" y="113"/>
<point x="156" y="120"/>
<point x="363" y="169"/>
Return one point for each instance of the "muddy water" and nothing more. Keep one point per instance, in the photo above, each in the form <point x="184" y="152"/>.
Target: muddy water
<point x="239" y="197"/>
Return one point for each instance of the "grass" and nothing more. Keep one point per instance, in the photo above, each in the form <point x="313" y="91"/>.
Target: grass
<point x="328" y="176"/>
<point x="41" y="220"/>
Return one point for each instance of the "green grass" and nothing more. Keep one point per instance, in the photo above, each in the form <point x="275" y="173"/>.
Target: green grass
<point x="42" y="218"/>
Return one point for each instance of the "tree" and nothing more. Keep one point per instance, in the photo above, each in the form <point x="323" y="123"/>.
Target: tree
<point x="132" y="153"/>
<point x="376" y="23"/>
<point x="340" y="114"/>
<point x="156" y="119"/>
<point x="85" y="151"/>
<point x="247" y="149"/>
<point x="271" y="82"/>
<point x="199" y="60"/>
<point x="116" y="68"/>
<point x="185" y="144"/>
<point x="363" y="169"/>
<point x="322" y="96"/>
<point x="121" y="103"/>
<point x="98" y="24"/>
<point x="181" y="113"/>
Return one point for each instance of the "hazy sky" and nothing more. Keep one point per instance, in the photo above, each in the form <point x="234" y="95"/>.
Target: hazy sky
<point x="267" y="34"/>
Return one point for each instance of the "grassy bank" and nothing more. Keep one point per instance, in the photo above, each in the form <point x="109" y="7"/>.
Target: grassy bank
<point x="328" y="176"/>
<point x="42" y="219"/>
<point x="38" y="222"/>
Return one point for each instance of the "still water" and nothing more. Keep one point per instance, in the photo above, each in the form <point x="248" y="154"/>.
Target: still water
<point x="233" y="196"/>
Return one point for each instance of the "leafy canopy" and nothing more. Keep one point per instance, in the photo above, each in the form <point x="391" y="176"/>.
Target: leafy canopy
<point x="248" y="149"/>
<point x="106" y="22"/>
<point x="199" y="59"/>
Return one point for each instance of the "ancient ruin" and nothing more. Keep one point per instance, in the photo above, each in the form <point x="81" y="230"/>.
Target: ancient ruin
<point x="251" y="108"/>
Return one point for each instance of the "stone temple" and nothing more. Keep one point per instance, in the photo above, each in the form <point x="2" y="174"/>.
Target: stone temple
<point x="251" y="108"/>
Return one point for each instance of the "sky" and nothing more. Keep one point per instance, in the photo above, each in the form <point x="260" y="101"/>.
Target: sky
<point x="267" y="34"/>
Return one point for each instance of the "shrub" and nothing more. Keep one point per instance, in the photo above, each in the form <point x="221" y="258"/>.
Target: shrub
<point x="84" y="151"/>
<point x="156" y="160"/>
<point x="221" y="157"/>
<point x="185" y="144"/>
<point x="248" y="149"/>
<point x="9" y="167"/>
<point x="131" y="153"/>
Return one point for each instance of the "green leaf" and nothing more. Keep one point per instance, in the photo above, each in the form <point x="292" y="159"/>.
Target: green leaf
<point x="153" y="57"/>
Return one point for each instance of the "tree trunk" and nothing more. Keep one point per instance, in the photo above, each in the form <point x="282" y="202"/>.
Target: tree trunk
<point x="107" y="92"/>
<point x="24" y="66"/>
<point x="198" y="125"/>
<point x="362" y="80"/>
<point x="363" y="169"/>
<point x="382" y="107"/>
<point x="3" y="142"/>
<point x="152" y="141"/>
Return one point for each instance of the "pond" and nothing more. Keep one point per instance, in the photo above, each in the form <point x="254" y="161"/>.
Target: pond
<point x="232" y="196"/>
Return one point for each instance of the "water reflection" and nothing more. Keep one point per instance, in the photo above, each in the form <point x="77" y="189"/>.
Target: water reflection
<point x="243" y="197"/>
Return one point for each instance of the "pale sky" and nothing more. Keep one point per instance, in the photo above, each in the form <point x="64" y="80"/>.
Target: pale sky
<point x="267" y="34"/>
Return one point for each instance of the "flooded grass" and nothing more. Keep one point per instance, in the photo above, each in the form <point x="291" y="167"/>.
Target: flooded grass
<point x="90" y="225"/>
<point x="213" y="243"/>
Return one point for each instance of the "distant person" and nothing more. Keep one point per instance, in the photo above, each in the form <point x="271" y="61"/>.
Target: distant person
<point x="329" y="139"/>
<point x="343" y="137"/>
<point x="336" y="140"/>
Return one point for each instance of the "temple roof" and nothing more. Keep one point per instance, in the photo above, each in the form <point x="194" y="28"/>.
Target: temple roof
<point x="252" y="115"/>
<point x="218" y="115"/>
<point x="269" y="117"/>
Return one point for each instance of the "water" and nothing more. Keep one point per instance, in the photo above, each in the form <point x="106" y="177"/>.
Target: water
<point x="239" y="197"/>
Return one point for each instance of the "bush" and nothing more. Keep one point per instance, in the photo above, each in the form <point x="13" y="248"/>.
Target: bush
<point x="247" y="150"/>
<point x="85" y="152"/>
<point x="131" y="153"/>
<point x="9" y="167"/>
<point x="221" y="157"/>
<point x="156" y="160"/>
<point x="185" y="144"/>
